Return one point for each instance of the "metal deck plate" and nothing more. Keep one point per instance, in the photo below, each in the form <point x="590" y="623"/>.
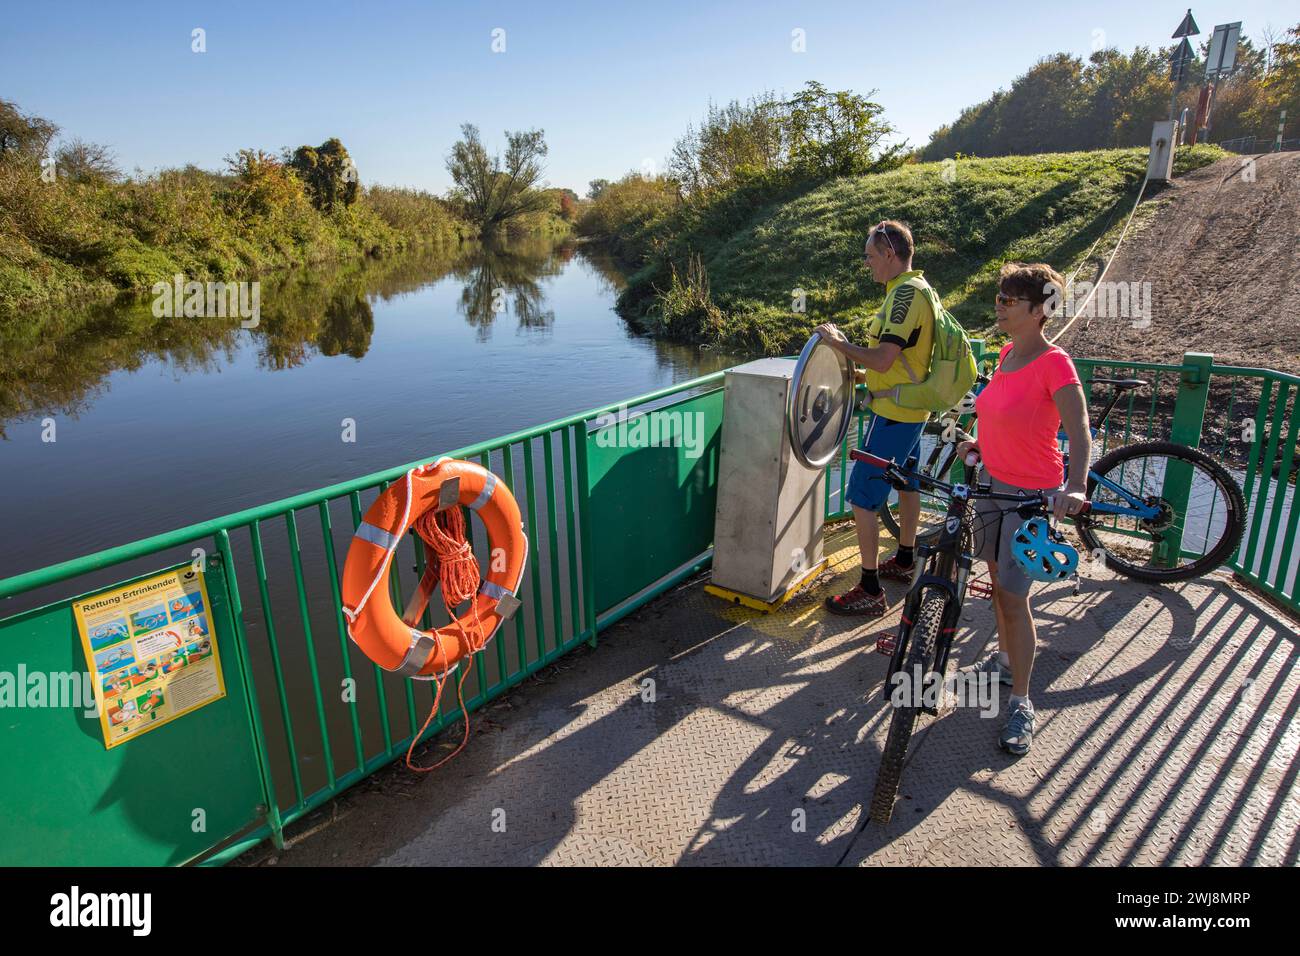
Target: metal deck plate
<point x="1167" y="735"/>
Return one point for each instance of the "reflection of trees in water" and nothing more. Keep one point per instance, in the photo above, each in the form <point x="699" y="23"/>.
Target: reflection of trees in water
<point x="347" y="327"/>
<point x="56" y="362"/>
<point x="328" y="314"/>
<point x="601" y="265"/>
<point x="506" y="279"/>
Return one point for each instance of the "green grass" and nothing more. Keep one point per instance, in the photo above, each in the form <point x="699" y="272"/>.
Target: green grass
<point x="1045" y="208"/>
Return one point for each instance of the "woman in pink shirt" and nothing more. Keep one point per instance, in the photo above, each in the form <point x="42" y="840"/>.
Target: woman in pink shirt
<point x="1034" y="392"/>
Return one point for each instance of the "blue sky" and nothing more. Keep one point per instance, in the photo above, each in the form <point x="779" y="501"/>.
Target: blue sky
<point x="613" y="84"/>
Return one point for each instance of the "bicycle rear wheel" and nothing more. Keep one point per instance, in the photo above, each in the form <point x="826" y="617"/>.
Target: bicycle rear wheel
<point x="1207" y="530"/>
<point x="924" y="639"/>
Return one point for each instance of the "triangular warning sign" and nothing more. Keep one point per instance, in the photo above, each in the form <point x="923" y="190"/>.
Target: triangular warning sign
<point x="1187" y="28"/>
<point x="1184" y="52"/>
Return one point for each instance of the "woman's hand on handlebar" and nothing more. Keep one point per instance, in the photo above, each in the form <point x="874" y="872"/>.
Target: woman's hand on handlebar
<point x="1068" y="502"/>
<point x="965" y="449"/>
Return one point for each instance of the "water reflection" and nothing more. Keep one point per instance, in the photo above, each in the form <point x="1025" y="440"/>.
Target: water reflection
<point x="508" y="281"/>
<point x="55" y="362"/>
<point x="164" y="422"/>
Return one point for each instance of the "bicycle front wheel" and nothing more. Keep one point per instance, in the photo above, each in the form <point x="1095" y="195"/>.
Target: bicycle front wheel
<point x="1181" y="541"/>
<point x="920" y="659"/>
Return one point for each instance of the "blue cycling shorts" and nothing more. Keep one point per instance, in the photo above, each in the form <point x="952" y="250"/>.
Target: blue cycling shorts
<point x="900" y="441"/>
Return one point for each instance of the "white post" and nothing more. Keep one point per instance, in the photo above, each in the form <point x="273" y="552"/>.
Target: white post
<point x="1281" y="122"/>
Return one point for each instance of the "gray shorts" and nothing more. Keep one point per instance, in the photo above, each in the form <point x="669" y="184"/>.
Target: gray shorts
<point x="994" y="526"/>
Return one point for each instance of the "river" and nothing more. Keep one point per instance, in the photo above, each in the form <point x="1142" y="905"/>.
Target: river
<point x="118" y="425"/>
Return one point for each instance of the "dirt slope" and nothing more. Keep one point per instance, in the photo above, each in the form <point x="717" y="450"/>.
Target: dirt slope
<point x="1222" y="254"/>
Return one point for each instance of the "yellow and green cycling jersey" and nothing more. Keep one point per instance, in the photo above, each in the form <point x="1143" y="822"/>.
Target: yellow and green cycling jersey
<point x="905" y="319"/>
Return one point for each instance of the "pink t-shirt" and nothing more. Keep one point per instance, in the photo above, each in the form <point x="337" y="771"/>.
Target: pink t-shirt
<point x="1019" y="420"/>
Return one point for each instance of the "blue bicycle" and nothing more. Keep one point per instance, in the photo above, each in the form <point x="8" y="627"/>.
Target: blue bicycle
<point x="1161" y="511"/>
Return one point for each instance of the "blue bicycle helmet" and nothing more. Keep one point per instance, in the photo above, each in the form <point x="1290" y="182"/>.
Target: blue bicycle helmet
<point x="1041" y="553"/>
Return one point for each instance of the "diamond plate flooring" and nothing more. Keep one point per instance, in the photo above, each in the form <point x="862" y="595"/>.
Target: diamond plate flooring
<point x="699" y="733"/>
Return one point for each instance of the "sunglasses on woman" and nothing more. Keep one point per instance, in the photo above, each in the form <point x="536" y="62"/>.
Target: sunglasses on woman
<point x="1009" y="299"/>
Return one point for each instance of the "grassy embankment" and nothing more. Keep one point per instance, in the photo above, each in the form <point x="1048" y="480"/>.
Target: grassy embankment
<point x="722" y="270"/>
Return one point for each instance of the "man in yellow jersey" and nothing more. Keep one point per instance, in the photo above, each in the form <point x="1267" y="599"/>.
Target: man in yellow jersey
<point x="899" y="340"/>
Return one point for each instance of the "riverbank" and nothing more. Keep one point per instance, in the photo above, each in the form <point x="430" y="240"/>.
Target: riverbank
<point x="64" y="240"/>
<point x="758" y="267"/>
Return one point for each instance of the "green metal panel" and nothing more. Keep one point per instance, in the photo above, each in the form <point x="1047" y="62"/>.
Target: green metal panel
<point x="651" y="508"/>
<point x="68" y="801"/>
<point x="1189" y="417"/>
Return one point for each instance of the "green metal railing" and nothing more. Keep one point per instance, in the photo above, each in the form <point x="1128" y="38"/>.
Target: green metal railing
<point x="309" y="743"/>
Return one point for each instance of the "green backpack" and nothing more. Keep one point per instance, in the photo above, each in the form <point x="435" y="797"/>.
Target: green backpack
<point x="952" y="363"/>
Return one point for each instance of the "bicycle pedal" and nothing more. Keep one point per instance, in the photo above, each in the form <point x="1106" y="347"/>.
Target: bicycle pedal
<point x="980" y="589"/>
<point x="885" y="643"/>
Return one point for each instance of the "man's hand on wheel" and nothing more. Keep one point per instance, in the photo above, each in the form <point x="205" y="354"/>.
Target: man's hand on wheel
<point x="831" y="335"/>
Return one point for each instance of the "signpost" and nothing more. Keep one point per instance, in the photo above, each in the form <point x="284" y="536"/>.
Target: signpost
<point x="1165" y="135"/>
<point x="1222" y="57"/>
<point x="1182" y="57"/>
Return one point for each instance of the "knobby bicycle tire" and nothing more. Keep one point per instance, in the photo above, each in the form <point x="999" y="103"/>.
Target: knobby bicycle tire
<point x="924" y="638"/>
<point x="1234" y="522"/>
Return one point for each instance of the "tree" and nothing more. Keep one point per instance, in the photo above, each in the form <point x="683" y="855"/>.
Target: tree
<point x="328" y="174"/>
<point x="24" y="134"/>
<point x="492" y="193"/>
<point x="81" y="161"/>
<point x="1282" y="85"/>
<point x="839" y="134"/>
<point x="568" y="205"/>
<point x="596" y="187"/>
<point x="1061" y="104"/>
<point x="1124" y="94"/>
<point x="737" y="138"/>
<point x="262" y="185"/>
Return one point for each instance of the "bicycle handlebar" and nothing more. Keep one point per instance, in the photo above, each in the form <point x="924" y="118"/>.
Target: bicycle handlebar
<point x="897" y="473"/>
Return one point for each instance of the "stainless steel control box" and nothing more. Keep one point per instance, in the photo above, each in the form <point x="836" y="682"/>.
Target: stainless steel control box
<point x="771" y="509"/>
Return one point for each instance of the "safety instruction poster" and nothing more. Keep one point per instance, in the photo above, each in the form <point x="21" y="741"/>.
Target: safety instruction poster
<point x="151" y="652"/>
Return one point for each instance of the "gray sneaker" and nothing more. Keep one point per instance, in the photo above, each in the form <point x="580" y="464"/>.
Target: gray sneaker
<point x="1018" y="733"/>
<point x="994" y="666"/>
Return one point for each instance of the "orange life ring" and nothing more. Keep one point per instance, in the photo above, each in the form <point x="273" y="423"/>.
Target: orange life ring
<point x="375" y="626"/>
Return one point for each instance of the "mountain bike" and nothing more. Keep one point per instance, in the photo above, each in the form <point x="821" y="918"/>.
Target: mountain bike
<point x="1162" y="512"/>
<point x="932" y="609"/>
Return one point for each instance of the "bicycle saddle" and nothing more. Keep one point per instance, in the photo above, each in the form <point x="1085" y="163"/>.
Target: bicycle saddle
<point x="1123" y="384"/>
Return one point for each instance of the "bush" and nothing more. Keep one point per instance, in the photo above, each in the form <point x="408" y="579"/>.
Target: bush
<point x="686" y="310"/>
<point x="92" y="234"/>
<point x="623" y="214"/>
